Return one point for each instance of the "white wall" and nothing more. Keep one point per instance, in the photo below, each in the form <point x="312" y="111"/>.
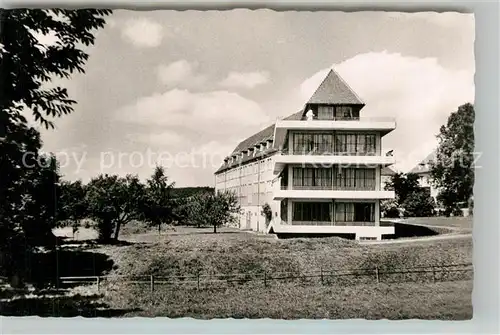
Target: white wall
<point x="253" y="184"/>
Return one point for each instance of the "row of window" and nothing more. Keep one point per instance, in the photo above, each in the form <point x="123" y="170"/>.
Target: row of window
<point x="245" y="170"/>
<point x="325" y="211"/>
<point x="250" y="152"/>
<point x="348" y="178"/>
<point x="334" y="143"/>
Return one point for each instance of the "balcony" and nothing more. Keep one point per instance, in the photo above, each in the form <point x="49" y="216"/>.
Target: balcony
<point x="381" y="124"/>
<point x="332" y="193"/>
<point x="328" y="159"/>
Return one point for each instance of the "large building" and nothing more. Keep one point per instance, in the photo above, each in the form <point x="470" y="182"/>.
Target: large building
<point x="318" y="169"/>
<point x="423" y="170"/>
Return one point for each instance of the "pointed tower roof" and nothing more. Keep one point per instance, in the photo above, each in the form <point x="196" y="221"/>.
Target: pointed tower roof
<point x="334" y="90"/>
<point x="423" y="167"/>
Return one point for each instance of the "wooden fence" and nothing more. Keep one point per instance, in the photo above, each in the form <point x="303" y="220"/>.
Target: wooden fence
<point x="450" y="272"/>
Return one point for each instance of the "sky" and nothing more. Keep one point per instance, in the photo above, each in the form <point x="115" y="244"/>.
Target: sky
<point x="183" y="88"/>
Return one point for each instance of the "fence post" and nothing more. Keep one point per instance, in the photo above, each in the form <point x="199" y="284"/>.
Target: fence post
<point x="265" y="279"/>
<point x="152" y="283"/>
<point x="321" y="276"/>
<point x="376" y="274"/>
<point x="98" y="279"/>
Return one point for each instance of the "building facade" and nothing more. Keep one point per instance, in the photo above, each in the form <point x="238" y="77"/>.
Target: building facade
<point x="318" y="169"/>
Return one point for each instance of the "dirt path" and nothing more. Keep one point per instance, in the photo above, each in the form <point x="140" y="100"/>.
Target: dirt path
<point x="421" y="239"/>
<point x="456" y="233"/>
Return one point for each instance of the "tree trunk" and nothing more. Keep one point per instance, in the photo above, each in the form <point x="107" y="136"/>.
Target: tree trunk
<point x="117" y="230"/>
<point x="105" y="230"/>
<point x="215" y="229"/>
<point x="15" y="281"/>
<point x="159" y="228"/>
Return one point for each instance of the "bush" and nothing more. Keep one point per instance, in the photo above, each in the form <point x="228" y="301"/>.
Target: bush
<point x="267" y="212"/>
<point x="419" y="204"/>
<point x="457" y="212"/>
<point x="389" y="209"/>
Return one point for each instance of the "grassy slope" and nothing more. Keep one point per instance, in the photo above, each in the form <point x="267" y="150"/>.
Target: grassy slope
<point x="236" y="252"/>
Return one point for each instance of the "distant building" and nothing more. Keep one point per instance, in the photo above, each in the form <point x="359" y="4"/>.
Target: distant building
<point x="423" y="170"/>
<point x="386" y="174"/>
<point x="318" y="169"/>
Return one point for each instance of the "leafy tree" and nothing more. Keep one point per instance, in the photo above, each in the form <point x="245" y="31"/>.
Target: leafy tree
<point x="27" y="64"/>
<point x="419" y="204"/>
<point x="403" y="185"/>
<point x="40" y="201"/>
<point x="114" y="201"/>
<point x="158" y="207"/>
<point x="213" y="209"/>
<point x="185" y="192"/>
<point x="72" y="206"/>
<point x="453" y="170"/>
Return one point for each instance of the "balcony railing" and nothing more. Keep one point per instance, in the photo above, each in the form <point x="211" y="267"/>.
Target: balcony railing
<point x="351" y="118"/>
<point x="326" y="152"/>
<point x="332" y="223"/>
<point x="330" y="188"/>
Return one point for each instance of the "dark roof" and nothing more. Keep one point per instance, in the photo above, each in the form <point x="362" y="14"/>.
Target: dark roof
<point x="261" y="136"/>
<point x="246" y="159"/>
<point x="387" y="171"/>
<point x="423" y="167"/>
<point x="334" y="90"/>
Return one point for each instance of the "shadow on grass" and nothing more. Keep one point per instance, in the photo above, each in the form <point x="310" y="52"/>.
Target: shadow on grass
<point x="405" y="230"/>
<point x="86" y="243"/>
<point x="63" y="306"/>
<point x="45" y="268"/>
<point x="205" y="233"/>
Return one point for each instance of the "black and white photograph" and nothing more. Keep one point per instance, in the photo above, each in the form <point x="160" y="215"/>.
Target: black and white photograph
<point x="244" y="164"/>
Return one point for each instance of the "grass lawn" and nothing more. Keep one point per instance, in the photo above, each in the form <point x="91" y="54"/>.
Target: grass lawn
<point x="440" y="301"/>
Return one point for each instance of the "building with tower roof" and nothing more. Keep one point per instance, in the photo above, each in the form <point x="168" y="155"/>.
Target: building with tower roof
<point x="319" y="169"/>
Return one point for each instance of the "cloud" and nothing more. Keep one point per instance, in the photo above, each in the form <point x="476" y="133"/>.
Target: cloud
<point x="143" y="33"/>
<point x="418" y="92"/>
<point x="180" y="73"/>
<point x="157" y="139"/>
<point x="217" y="112"/>
<point x="245" y="79"/>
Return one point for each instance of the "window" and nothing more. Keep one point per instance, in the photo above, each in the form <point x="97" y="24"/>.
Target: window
<point x="354" y="212"/>
<point x="355" y="144"/>
<point x="325" y="112"/>
<point x="343" y="113"/>
<point x="312" y="143"/>
<point x="355" y="179"/>
<point x="312" y="178"/>
<point x="312" y="211"/>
